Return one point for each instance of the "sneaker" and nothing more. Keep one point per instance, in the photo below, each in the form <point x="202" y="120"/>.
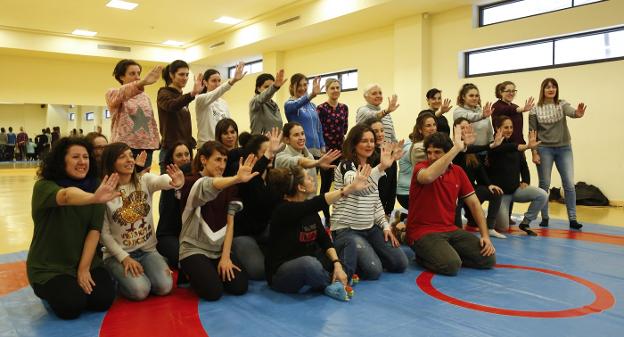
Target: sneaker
<point x="355" y="279"/>
<point x="496" y="234"/>
<point x="526" y="228"/>
<point x="575" y="225"/>
<point x="337" y="290"/>
<point x="544" y="223"/>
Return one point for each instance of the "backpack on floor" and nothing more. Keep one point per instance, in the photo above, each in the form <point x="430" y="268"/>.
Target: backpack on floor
<point x="589" y="195"/>
<point x="555" y="195"/>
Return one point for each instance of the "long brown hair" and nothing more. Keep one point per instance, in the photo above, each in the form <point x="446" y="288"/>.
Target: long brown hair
<point x="463" y="91"/>
<point x="109" y="157"/>
<point x="545" y="82"/>
<point x="471" y="158"/>
<point x="498" y="91"/>
<point x="353" y="139"/>
<point x="416" y="135"/>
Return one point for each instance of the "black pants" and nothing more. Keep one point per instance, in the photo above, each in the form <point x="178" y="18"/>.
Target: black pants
<point x="327" y="178"/>
<point x="68" y="300"/>
<point x="205" y="279"/>
<point x="483" y="193"/>
<point x="387" y="189"/>
<point x="169" y="247"/>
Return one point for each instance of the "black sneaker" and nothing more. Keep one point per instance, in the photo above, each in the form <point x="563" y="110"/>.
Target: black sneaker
<point x="526" y="228"/>
<point x="544" y="223"/>
<point x="575" y="225"/>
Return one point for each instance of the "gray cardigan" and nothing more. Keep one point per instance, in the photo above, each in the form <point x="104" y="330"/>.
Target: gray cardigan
<point x="264" y="113"/>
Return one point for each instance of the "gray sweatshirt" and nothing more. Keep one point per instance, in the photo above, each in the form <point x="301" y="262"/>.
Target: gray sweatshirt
<point x="481" y="126"/>
<point x="264" y="113"/>
<point x="550" y="123"/>
<point x="368" y="111"/>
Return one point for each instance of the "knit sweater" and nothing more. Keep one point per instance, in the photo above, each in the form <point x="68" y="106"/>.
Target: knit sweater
<point x="550" y="123"/>
<point x="359" y="210"/>
<point x="481" y="126"/>
<point x="174" y="118"/>
<point x="289" y="157"/>
<point x="264" y="113"/>
<point x="128" y="222"/>
<point x="303" y="111"/>
<point x="210" y="108"/>
<point x="132" y="117"/>
<point x="365" y="112"/>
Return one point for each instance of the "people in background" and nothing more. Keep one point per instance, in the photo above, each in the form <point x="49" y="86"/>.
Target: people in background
<point x="469" y="107"/>
<point x="300" y="109"/>
<point x="210" y="108"/>
<point x="374" y="98"/>
<point x="264" y="113"/>
<point x="68" y="212"/>
<point x="548" y="119"/>
<point x="22" y="142"/>
<point x="11" y="142"/>
<point x="437" y="185"/>
<point x="132" y="115"/>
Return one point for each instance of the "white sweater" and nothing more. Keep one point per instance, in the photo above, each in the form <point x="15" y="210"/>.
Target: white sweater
<point x="128" y="222"/>
<point x="210" y="108"/>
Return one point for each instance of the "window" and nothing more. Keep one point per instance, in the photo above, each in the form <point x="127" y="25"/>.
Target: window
<point x="107" y="113"/>
<point x="250" y="67"/>
<point x="589" y="47"/>
<point x="348" y="80"/>
<point x="72" y="116"/>
<point x="516" y="9"/>
<point x="89" y="116"/>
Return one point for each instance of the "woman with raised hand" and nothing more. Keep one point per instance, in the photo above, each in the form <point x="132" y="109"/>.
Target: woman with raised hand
<point x="264" y="113"/>
<point x="210" y="108"/>
<point x="507" y="168"/>
<point x="297" y="154"/>
<point x="173" y="114"/>
<point x="132" y="116"/>
<point x="226" y="133"/>
<point x="548" y="119"/>
<point x="387" y="183"/>
<point x="374" y="97"/>
<point x="210" y="204"/>
<point x="300" y="109"/>
<point x="438" y="108"/>
<point x="251" y="233"/>
<point x="469" y="107"/>
<point x="67" y="211"/>
<point x="128" y="233"/>
<point x="170" y="220"/>
<point x="360" y="229"/>
<point x="506" y="92"/>
<point x="301" y="254"/>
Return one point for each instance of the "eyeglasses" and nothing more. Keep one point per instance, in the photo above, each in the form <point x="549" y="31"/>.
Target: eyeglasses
<point x="510" y="91"/>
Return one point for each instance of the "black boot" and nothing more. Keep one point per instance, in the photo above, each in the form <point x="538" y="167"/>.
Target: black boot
<point x="526" y="228"/>
<point x="575" y="225"/>
<point x="544" y="223"/>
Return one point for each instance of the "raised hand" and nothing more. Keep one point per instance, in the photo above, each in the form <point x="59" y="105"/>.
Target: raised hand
<point x="152" y="76"/>
<point x="280" y="78"/>
<point x="245" y="168"/>
<point x="498" y="138"/>
<point x="238" y="73"/>
<point x="386" y="159"/>
<point x="328" y="158"/>
<point x="107" y="190"/>
<point x="533" y="142"/>
<point x="528" y="104"/>
<point x="177" y="176"/>
<point x="397" y="150"/>
<point x="580" y="110"/>
<point x="487" y="110"/>
<point x="198" y="85"/>
<point x="360" y="181"/>
<point x="316" y="86"/>
<point x="392" y="103"/>
<point x="446" y="105"/>
<point x="468" y="135"/>
<point x="275" y="142"/>
<point x="141" y="159"/>
<point x="458" y="139"/>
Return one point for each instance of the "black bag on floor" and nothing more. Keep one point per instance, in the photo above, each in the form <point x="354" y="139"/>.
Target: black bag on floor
<point x="589" y="195"/>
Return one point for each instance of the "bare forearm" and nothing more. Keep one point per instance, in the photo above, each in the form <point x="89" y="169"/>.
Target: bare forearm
<point x="221" y="183"/>
<point x="431" y="173"/>
<point x="477" y="213"/>
<point x="229" y="236"/>
<point x="73" y="196"/>
<point x="88" y="250"/>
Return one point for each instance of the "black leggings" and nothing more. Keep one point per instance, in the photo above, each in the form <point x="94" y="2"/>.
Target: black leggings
<point x="67" y="299"/>
<point x="327" y="178"/>
<point x="387" y="189"/>
<point x="169" y="247"/>
<point x="483" y="193"/>
<point x="205" y="279"/>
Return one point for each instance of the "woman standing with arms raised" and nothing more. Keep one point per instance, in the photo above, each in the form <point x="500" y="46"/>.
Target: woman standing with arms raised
<point x="264" y="113"/>
<point x="300" y="109"/>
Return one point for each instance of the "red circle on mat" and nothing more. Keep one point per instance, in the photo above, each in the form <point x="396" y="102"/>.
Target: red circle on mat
<point x="603" y="298"/>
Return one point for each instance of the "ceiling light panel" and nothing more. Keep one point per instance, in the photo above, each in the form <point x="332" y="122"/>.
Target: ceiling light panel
<point x="83" y="32"/>
<point x="228" y="20"/>
<point x="122" y="5"/>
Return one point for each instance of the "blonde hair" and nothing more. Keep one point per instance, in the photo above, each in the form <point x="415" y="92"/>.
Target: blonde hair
<point x="331" y="81"/>
<point x="370" y="87"/>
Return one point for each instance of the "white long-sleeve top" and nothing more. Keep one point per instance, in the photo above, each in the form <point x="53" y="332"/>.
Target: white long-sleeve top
<point x="128" y="222"/>
<point x="210" y="108"/>
<point x="360" y="210"/>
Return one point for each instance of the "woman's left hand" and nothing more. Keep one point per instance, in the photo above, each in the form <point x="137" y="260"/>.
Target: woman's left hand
<point x="389" y="236"/>
<point x="495" y="190"/>
<point x="580" y="110"/>
<point x="339" y="274"/>
<point x="238" y="73"/>
<point x="226" y="269"/>
<point x="177" y="176"/>
<point x="85" y="281"/>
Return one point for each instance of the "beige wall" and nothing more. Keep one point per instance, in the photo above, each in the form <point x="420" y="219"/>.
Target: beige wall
<point x="407" y="57"/>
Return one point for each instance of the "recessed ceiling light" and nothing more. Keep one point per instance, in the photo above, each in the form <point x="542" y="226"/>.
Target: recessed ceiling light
<point x="173" y="43"/>
<point x="122" y="5"/>
<point x="84" y="32"/>
<point x="228" y="20"/>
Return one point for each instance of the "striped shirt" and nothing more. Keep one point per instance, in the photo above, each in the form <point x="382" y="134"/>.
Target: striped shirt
<point x="360" y="210"/>
<point x="368" y="111"/>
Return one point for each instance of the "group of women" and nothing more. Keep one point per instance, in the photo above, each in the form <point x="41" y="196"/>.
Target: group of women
<point x="245" y="206"/>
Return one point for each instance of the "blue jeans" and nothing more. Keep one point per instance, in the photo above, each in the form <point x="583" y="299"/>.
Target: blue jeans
<point x="300" y="274"/>
<point x="367" y="252"/>
<point x="562" y="157"/>
<point x="251" y="257"/>
<point x="156" y="276"/>
<point x="537" y="197"/>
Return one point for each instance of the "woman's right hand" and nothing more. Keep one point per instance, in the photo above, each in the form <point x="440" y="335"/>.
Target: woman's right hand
<point x="360" y="181"/>
<point x="198" y="85"/>
<point x="245" y="169"/>
<point x="107" y="190"/>
<point x="280" y="78"/>
<point x="533" y="142"/>
<point x="132" y="266"/>
<point x="325" y="162"/>
<point x="446" y="106"/>
<point x="392" y="103"/>
<point x="275" y="142"/>
<point x="152" y="76"/>
<point x="487" y="110"/>
<point x="536" y="158"/>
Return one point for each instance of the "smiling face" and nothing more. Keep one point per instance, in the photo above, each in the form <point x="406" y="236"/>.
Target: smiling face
<point x="296" y="138"/>
<point x="77" y="162"/>
<point x="133" y="73"/>
<point x="507" y="128"/>
<point x="378" y="129"/>
<point x="180" y="78"/>
<point x="374" y="96"/>
<point x="550" y="90"/>
<point x="429" y="127"/>
<point x="365" y="147"/>
<point x="215" y="165"/>
<point x="471" y="98"/>
<point x="333" y="91"/>
<point x="124" y="165"/>
<point x="229" y="138"/>
<point x="435" y="102"/>
<point x="181" y="155"/>
<point x="302" y="87"/>
<point x="508" y="93"/>
<point x="213" y="82"/>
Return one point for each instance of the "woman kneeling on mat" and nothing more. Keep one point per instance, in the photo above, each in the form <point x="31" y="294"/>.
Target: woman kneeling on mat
<point x="301" y="254"/>
<point x="210" y="204"/>
<point x="128" y="234"/>
<point x="62" y="266"/>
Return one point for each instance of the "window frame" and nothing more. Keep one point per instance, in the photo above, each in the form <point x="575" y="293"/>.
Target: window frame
<point x="337" y="74"/>
<point x="552" y="40"/>
<point x="232" y="68"/>
<point x="482" y="8"/>
<point x="90" y="114"/>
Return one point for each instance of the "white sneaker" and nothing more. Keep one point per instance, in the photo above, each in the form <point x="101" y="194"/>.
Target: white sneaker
<point x="496" y="234"/>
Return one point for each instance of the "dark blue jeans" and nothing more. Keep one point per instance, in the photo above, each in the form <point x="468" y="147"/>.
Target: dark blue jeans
<point x="300" y="274"/>
<point x="367" y="252"/>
